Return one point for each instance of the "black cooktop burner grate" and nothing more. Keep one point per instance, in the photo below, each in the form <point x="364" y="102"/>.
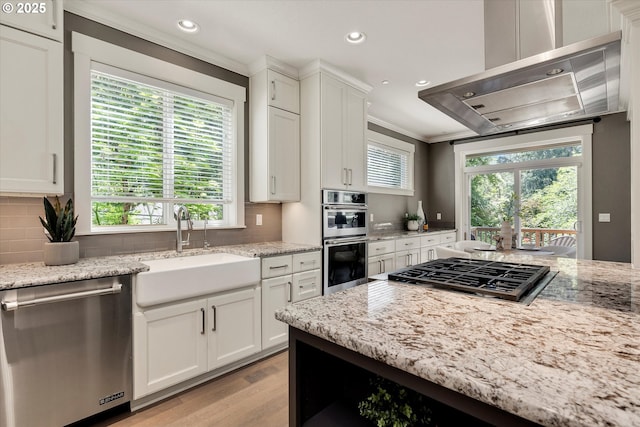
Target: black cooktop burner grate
<point x="495" y="278"/>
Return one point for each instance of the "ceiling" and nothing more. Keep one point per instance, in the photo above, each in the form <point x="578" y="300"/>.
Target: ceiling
<point x="407" y="41"/>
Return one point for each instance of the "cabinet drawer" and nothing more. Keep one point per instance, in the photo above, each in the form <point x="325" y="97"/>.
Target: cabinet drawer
<point x="430" y="240"/>
<point x="381" y="247"/>
<point x="284" y="92"/>
<point x="277" y="266"/>
<point x="306" y="285"/>
<point x="407" y="244"/>
<point x="448" y="238"/>
<point x="306" y="261"/>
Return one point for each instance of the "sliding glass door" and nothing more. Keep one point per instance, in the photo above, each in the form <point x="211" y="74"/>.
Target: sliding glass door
<point x="541" y="190"/>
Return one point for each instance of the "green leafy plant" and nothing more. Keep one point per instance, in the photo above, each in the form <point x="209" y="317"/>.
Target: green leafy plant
<point x="60" y="222"/>
<point x="391" y="405"/>
<point x="413" y="217"/>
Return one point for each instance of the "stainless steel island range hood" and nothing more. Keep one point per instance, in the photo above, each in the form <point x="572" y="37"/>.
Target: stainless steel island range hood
<point x="577" y="81"/>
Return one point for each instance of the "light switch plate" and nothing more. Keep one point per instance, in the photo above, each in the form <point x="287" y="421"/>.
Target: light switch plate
<point x="604" y="217"/>
<point x="438" y="215"/>
<point x="259" y="219"/>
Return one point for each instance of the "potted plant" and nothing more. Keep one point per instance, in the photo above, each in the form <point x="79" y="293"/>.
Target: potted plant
<point x="413" y="221"/>
<point x="60" y="226"/>
<point x="391" y="405"/>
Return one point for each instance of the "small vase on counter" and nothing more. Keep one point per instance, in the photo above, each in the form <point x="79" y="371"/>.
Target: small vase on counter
<point x="422" y="216"/>
<point x="505" y="233"/>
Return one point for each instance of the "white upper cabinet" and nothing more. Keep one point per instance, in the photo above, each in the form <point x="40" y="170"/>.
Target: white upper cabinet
<point x="31" y="124"/>
<point x="275" y="138"/>
<point x="42" y="17"/>
<point x="343" y="124"/>
<point x="284" y="92"/>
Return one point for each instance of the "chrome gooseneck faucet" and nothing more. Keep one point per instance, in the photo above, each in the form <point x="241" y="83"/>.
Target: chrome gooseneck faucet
<point x="182" y="211"/>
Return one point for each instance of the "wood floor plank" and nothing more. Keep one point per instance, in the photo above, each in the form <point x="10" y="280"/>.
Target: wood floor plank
<point x="256" y="395"/>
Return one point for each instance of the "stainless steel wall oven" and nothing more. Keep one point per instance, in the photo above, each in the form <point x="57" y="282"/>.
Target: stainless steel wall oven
<point x="344" y="234"/>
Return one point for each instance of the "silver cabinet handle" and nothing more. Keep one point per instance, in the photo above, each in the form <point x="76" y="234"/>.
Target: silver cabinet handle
<point x="384" y="267"/>
<point x="273" y="184"/>
<point x="203" y="327"/>
<point x="350" y="175"/>
<point x="277" y="267"/>
<point x="273" y="90"/>
<point x="14" y="305"/>
<point x="55" y="168"/>
<point x="54" y="13"/>
<point x="215" y="321"/>
<point x="288" y="291"/>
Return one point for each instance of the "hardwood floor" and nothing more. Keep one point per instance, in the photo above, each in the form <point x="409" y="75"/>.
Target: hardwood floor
<point x="256" y="395"/>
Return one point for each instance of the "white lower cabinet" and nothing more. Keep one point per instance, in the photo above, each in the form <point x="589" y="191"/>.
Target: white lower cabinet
<point x="170" y="346"/>
<point x="179" y="341"/>
<point x="278" y="291"/>
<point x="407" y="258"/>
<point x="234" y="326"/>
<point x="381" y="264"/>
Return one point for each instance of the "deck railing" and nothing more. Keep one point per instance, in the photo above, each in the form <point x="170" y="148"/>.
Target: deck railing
<point x="533" y="236"/>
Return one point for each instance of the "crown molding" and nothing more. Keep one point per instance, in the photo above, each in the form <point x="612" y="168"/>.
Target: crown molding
<point x="139" y="29"/>
<point x="318" y="65"/>
<point x="273" y="64"/>
<point x="398" y="129"/>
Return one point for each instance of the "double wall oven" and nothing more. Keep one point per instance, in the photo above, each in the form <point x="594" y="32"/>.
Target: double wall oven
<point x="344" y="235"/>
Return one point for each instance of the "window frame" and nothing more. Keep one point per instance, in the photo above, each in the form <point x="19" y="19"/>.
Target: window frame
<point x="396" y="145"/>
<point x="87" y="50"/>
<point x="574" y="134"/>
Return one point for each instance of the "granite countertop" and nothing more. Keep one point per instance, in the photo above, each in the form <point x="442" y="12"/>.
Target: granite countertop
<point x="571" y="358"/>
<point x="397" y="234"/>
<point x="13" y="276"/>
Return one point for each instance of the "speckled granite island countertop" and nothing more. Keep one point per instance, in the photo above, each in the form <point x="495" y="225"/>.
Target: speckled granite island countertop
<point x="14" y="276"/>
<point x="571" y="358"/>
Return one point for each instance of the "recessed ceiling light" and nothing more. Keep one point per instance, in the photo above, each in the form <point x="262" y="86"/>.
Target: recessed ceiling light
<point x="423" y="83"/>
<point x="355" y="37"/>
<point x="385" y="82"/>
<point x="554" y="71"/>
<point x="188" y="26"/>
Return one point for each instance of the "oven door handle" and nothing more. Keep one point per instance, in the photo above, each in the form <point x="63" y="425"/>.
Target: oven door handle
<point x="349" y="207"/>
<point x="346" y="241"/>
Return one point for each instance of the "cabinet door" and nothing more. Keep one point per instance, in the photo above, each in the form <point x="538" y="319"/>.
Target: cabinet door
<point x="381" y="264"/>
<point x="448" y="240"/>
<point x="31" y="140"/>
<point x="284" y="92"/>
<point x="332" y="118"/>
<point x="276" y="293"/>
<point x="306" y="285"/>
<point x="307" y="261"/>
<point x="170" y="346"/>
<point x="427" y="253"/>
<point x="234" y="326"/>
<point x="354" y="144"/>
<point x="43" y="17"/>
<point x="284" y="155"/>
<point x="407" y="258"/>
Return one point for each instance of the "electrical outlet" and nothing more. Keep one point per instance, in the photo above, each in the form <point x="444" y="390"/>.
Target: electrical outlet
<point x="259" y="219"/>
<point x="438" y="216"/>
<point x="370" y="217"/>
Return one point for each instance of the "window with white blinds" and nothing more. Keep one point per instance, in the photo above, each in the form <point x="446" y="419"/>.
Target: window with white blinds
<point x="389" y="165"/>
<point x="154" y="146"/>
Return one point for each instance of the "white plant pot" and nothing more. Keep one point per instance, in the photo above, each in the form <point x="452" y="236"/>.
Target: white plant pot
<point x="412" y="225"/>
<point x="61" y="253"/>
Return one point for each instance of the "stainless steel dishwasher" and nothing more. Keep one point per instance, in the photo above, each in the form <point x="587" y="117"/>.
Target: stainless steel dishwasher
<point x="65" y="351"/>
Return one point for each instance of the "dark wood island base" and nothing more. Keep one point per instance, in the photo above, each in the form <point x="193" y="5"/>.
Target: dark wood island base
<point x="326" y="382"/>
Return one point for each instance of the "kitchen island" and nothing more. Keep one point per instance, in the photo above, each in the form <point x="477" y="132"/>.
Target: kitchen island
<point x="571" y="358"/>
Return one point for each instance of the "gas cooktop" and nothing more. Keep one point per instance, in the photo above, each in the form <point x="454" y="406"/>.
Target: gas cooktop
<point x="511" y="281"/>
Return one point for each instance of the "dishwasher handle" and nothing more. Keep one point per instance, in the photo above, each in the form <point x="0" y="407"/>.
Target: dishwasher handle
<point x="14" y="305"/>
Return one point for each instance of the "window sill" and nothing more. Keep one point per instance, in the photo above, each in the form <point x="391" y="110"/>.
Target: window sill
<point x="162" y="229"/>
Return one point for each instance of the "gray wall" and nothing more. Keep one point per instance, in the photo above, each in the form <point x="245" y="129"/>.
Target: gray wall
<point x="611" y="187"/>
<point x="390" y="209"/>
